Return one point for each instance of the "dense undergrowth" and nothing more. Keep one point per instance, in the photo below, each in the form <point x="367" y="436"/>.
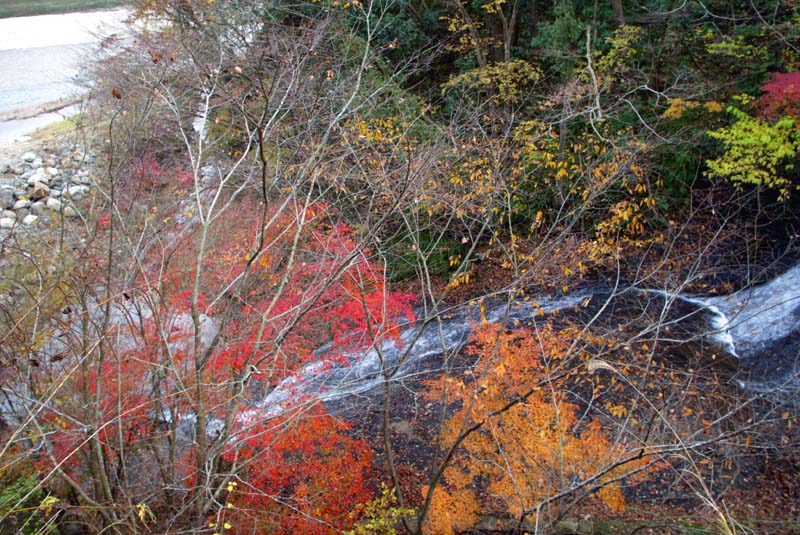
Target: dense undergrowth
<point x="274" y="178"/>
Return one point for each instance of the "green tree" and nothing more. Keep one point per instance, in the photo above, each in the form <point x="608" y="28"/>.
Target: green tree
<point x="758" y="153"/>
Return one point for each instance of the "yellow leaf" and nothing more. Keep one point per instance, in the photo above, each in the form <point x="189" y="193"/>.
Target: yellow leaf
<point x="144" y="513"/>
<point x="47" y="505"/>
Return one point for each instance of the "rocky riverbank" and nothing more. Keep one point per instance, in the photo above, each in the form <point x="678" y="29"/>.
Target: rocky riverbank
<point x="42" y="181"/>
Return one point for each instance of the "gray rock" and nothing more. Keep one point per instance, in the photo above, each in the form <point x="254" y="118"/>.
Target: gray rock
<point x="9" y="213"/>
<point x="38" y="208"/>
<point x="6" y="197"/>
<point x="52" y="171"/>
<point x="30" y="219"/>
<point x="54" y="204"/>
<point x="29" y="157"/>
<point x="56" y="192"/>
<point x="16" y="170"/>
<point x="69" y="211"/>
<point x="77" y="193"/>
<point x="22" y="203"/>
<point x="40" y="191"/>
<point x="37" y="163"/>
<point x="5" y="169"/>
<point x="7" y="222"/>
<point x="38" y="177"/>
<point x="574" y="526"/>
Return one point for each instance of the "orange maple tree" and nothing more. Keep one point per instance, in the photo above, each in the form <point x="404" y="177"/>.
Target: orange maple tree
<point x="531" y="445"/>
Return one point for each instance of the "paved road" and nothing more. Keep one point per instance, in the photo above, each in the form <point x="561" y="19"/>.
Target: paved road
<point x="33" y="76"/>
<point x="40" y="57"/>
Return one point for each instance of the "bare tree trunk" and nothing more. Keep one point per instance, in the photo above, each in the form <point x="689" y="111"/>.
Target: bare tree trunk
<point x="619" y="13"/>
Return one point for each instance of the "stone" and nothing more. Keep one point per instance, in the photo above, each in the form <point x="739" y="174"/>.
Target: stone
<point x="9" y="213"/>
<point x="69" y="211"/>
<point x="54" y="204"/>
<point x="22" y="203"/>
<point x="30" y="219"/>
<point x="38" y="177"/>
<point x="40" y="191"/>
<point x="57" y="192"/>
<point x="37" y="163"/>
<point x="38" y="208"/>
<point x="574" y="526"/>
<point x="7" y="222"/>
<point x="6" y="197"/>
<point x="52" y="171"/>
<point x="29" y="157"/>
<point x="77" y="193"/>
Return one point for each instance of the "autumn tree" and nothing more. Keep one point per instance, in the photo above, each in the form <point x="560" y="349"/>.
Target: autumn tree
<point x="522" y="442"/>
<point x="284" y="189"/>
<point x="217" y="265"/>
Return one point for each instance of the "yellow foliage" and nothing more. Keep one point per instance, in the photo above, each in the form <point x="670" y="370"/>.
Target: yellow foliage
<point x="47" y="505"/>
<point x="677" y="107"/>
<point x="459" y="280"/>
<point x="503" y="81"/>
<point x="455" y="509"/>
<point x="493" y="6"/>
<point x="144" y="513"/>
<point x="526" y="452"/>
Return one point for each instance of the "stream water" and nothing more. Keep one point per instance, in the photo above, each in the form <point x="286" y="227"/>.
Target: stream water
<point x="750" y="326"/>
<point x="758" y="328"/>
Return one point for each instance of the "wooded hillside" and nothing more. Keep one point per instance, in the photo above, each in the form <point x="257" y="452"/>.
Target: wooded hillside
<point x="425" y="267"/>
